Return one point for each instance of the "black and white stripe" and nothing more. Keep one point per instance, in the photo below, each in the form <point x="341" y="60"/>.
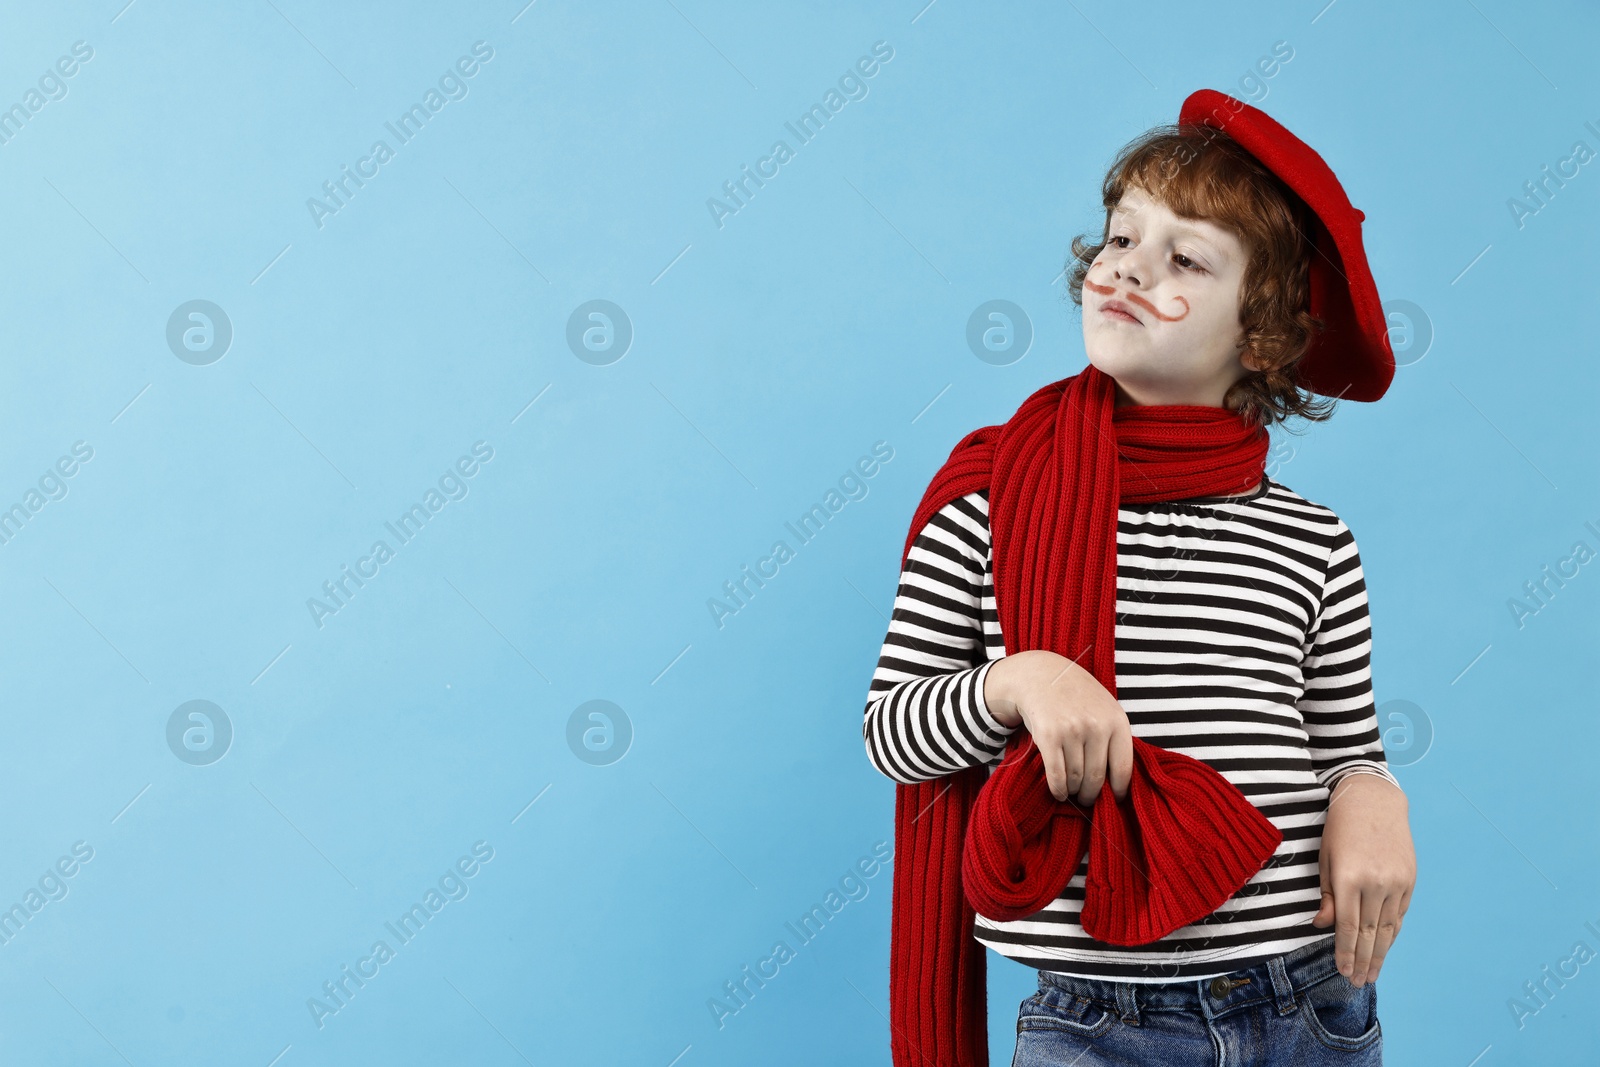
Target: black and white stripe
<point x="1242" y="639"/>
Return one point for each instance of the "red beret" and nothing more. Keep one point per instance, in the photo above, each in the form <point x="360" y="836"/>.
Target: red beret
<point x="1351" y="358"/>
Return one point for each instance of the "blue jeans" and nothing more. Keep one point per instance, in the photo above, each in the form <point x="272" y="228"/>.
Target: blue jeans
<point x="1291" y="1009"/>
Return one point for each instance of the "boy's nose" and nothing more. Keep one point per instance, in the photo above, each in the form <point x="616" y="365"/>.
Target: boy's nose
<point x="1133" y="267"/>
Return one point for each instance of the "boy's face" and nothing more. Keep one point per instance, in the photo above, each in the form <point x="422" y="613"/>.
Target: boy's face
<point x="1179" y="280"/>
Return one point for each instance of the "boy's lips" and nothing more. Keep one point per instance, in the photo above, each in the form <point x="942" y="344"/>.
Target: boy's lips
<point x="1113" y="304"/>
<point x="1116" y="309"/>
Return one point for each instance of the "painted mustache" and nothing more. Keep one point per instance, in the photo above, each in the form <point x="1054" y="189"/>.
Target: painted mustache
<point x="1135" y="298"/>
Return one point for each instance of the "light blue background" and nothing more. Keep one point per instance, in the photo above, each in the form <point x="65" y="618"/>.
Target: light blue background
<point x="768" y="355"/>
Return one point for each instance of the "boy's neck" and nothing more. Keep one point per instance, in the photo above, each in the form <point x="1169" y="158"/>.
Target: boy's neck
<point x="1122" y="399"/>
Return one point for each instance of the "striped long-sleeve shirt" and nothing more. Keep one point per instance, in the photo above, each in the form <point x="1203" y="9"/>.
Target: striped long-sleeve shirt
<point x="1242" y="640"/>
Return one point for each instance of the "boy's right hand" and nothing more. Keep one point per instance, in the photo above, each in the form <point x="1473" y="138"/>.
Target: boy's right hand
<point x="1081" y="731"/>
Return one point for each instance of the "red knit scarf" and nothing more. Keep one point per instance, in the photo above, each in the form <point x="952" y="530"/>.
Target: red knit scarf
<point x="1184" y="840"/>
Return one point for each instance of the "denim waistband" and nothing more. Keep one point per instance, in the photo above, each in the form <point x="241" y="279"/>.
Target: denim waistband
<point x="1275" y="979"/>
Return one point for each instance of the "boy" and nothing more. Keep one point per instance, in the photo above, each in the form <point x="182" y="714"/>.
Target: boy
<point x="1122" y="653"/>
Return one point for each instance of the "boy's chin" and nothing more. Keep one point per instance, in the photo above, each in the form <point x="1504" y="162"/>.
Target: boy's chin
<point x="1120" y="364"/>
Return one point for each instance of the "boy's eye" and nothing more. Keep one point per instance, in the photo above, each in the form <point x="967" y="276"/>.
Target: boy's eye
<point x="1183" y="261"/>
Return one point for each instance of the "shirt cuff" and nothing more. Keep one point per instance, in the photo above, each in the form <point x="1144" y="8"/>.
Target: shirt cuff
<point x="980" y="706"/>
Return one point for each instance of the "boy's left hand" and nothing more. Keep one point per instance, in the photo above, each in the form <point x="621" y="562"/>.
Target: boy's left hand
<point x="1368" y="869"/>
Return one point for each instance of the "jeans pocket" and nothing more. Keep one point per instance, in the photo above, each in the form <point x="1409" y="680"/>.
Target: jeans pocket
<point x="1056" y="1009"/>
<point x="1341" y="1014"/>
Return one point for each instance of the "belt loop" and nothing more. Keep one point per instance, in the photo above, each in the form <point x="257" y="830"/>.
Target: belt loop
<point x="1127" y="1007"/>
<point x="1282" y="989"/>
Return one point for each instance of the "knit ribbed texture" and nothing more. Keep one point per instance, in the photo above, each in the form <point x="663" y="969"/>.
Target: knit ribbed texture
<point x="1185" y="839"/>
<point x="1181" y="843"/>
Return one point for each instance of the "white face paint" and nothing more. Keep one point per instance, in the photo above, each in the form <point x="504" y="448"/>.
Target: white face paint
<point x="1180" y="279"/>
